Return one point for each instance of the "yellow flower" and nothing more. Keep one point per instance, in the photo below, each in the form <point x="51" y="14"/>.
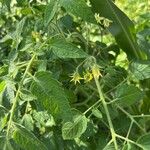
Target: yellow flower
<point x="88" y="76"/>
<point x="97" y="17"/>
<point x="76" y="77"/>
<point x="96" y="71"/>
<point x="36" y="36"/>
<point x="107" y="22"/>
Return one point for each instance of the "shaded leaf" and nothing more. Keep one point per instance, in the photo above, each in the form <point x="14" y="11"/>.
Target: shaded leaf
<point x="51" y="95"/>
<point x="144" y="141"/>
<point x="26" y="139"/>
<point x="50" y="11"/>
<point x="7" y="3"/>
<point x="4" y="144"/>
<point x="63" y="49"/>
<point x="79" y="8"/>
<point x="141" y="69"/>
<point x="127" y="95"/>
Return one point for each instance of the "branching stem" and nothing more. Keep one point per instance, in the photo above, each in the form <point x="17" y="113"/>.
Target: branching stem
<point x="101" y="95"/>
<point x="12" y="111"/>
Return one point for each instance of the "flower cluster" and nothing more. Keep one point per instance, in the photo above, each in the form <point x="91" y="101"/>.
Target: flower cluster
<point x="88" y="75"/>
<point x="106" y="22"/>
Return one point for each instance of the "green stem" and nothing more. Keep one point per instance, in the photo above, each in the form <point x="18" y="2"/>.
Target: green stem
<point x="16" y="99"/>
<point x="128" y="140"/>
<point x="141" y="116"/>
<point x="129" y="130"/>
<point x="132" y="119"/>
<point x="95" y="104"/>
<point x="128" y="114"/>
<point x="113" y="134"/>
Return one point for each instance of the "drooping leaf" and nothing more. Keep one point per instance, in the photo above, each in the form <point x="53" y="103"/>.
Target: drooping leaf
<point x="79" y="8"/>
<point x="75" y="129"/>
<point x="122" y="28"/>
<point x="144" y="141"/>
<point x="63" y="49"/>
<point x="50" y="11"/>
<point x="127" y="95"/>
<point x="141" y="69"/>
<point x="51" y="95"/>
<point x="26" y="139"/>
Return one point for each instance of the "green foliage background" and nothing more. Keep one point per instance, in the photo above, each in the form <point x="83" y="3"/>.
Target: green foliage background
<point x="51" y="98"/>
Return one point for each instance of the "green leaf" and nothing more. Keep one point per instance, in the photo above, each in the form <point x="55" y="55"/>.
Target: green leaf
<point x="51" y="95"/>
<point x="16" y="36"/>
<point x="26" y="140"/>
<point x="143" y="41"/>
<point x="129" y="146"/>
<point x="7" y="3"/>
<point x="3" y="118"/>
<point x="21" y="2"/>
<point x="75" y="129"/>
<point x="5" y="144"/>
<point x="63" y="49"/>
<point x="102" y="141"/>
<point x="50" y="11"/>
<point x="97" y="113"/>
<point x="28" y="122"/>
<point x="19" y="28"/>
<point x="141" y="69"/>
<point x="127" y="95"/>
<point x="121" y="28"/>
<point x="144" y="141"/>
<point x="79" y="8"/>
<point x="2" y="86"/>
<point x="43" y="119"/>
<point x="109" y="147"/>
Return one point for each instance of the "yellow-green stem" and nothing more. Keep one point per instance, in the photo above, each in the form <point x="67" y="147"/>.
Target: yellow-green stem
<point x="113" y="134"/>
<point x="16" y="99"/>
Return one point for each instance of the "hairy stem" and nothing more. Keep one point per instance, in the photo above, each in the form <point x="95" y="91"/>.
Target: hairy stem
<point x="16" y="99"/>
<point x="113" y="134"/>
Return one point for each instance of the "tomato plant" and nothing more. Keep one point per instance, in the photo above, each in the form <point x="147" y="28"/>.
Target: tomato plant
<point x="74" y="74"/>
